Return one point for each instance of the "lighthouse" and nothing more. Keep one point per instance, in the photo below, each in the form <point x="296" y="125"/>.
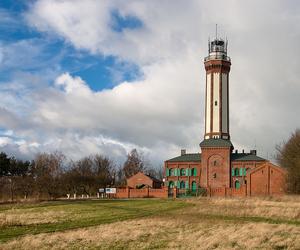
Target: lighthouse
<point x="217" y="167"/>
<point x="217" y="66"/>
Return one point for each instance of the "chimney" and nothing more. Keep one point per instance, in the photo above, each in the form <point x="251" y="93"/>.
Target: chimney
<point x="253" y="152"/>
<point x="183" y="151"/>
<point x="243" y="151"/>
<point x="236" y="151"/>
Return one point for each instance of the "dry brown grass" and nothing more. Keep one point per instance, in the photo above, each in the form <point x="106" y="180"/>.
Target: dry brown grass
<point x="168" y="234"/>
<point x="280" y="208"/>
<point x="18" y="217"/>
<point x="188" y="228"/>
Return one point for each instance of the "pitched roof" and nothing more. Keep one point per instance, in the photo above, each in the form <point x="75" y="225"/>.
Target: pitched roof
<point x="147" y="175"/>
<point x="187" y="157"/>
<point x="212" y="142"/>
<point x="234" y="157"/>
<point x="153" y="178"/>
<point x="246" y="157"/>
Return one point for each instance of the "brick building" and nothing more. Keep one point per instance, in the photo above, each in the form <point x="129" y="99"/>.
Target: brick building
<point x="218" y="165"/>
<point x="141" y="180"/>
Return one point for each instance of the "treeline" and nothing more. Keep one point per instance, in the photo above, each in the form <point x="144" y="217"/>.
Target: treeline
<point x="51" y="175"/>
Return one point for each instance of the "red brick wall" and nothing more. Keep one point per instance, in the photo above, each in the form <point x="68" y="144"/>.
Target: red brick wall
<point x="123" y="193"/>
<point x="249" y="165"/>
<point x="277" y="181"/>
<point x="215" y="175"/>
<point x="138" y="193"/>
<point x="139" y="179"/>
<point x="185" y="165"/>
<point x="227" y="192"/>
<point x="267" y="179"/>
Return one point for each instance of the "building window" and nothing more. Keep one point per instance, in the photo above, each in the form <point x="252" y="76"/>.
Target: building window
<point x="216" y="103"/>
<point x="171" y="184"/>
<point x="194" y="172"/>
<point x="215" y="163"/>
<point x="182" y="184"/>
<point x="182" y="172"/>
<point x="172" y="171"/>
<point x="215" y="175"/>
<point x="236" y="172"/>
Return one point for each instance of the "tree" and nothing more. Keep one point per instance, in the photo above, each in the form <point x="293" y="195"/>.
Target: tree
<point x="133" y="164"/>
<point x="105" y="171"/>
<point x="48" y="169"/>
<point x="289" y="157"/>
<point x="4" y="164"/>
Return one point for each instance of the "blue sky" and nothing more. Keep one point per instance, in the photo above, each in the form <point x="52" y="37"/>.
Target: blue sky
<point x="99" y="71"/>
<point x="86" y="77"/>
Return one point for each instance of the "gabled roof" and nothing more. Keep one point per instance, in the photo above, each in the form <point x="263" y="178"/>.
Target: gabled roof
<point x="147" y="175"/>
<point x="234" y="157"/>
<point x="246" y="157"/>
<point x="216" y="143"/>
<point x="153" y="178"/>
<point x="187" y="157"/>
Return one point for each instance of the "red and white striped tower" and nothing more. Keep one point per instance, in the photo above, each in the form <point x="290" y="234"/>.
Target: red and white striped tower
<point x="217" y="66"/>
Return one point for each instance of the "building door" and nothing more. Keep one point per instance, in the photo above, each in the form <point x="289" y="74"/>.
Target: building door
<point x="171" y="189"/>
<point x="194" y="186"/>
<point x="237" y="185"/>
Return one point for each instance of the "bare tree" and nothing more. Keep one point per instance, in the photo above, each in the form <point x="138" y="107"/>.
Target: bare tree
<point x="289" y="157"/>
<point x="133" y="164"/>
<point x="48" y="169"/>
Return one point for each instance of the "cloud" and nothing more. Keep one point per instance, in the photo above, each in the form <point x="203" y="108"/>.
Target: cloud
<point x="162" y="111"/>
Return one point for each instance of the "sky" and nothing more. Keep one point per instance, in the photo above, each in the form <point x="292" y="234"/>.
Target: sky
<point x="107" y="76"/>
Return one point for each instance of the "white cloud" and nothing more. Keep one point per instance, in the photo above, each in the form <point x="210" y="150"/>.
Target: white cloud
<point x="164" y="111"/>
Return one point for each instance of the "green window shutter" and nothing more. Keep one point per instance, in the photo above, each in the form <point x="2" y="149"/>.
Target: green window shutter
<point x="176" y="172"/>
<point x="241" y="171"/>
<point x="178" y="184"/>
<point x="195" y="171"/>
<point x="167" y="172"/>
<point x="232" y="171"/>
<point x="187" y="172"/>
<point x="245" y="172"/>
<point x="187" y="184"/>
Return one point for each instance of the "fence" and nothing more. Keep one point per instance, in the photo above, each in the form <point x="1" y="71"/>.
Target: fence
<point x="180" y="193"/>
<point x="141" y="193"/>
<point x="227" y="192"/>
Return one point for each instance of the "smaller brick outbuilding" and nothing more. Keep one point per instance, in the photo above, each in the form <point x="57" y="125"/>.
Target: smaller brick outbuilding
<point x="141" y="180"/>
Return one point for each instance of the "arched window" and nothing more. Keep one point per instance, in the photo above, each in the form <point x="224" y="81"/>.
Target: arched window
<point x="171" y="184"/>
<point x="236" y="172"/>
<point x="237" y="184"/>
<point x="172" y="172"/>
<point x="182" y="184"/>
<point x="194" y="186"/>
<point x="194" y="172"/>
<point x="182" y="172"/>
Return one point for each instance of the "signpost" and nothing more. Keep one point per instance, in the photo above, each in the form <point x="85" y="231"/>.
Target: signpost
<point x="110" y="190"/>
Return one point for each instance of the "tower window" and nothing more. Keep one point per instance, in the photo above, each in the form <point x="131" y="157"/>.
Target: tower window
<point x="216" y="103"/>
<point x="215" y="175"/>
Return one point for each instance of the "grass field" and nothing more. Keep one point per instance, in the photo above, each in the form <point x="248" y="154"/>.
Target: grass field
<point x="153" y="224"/>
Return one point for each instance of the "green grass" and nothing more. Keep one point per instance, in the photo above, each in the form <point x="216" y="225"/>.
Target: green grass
<point x="81" y="214"/>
